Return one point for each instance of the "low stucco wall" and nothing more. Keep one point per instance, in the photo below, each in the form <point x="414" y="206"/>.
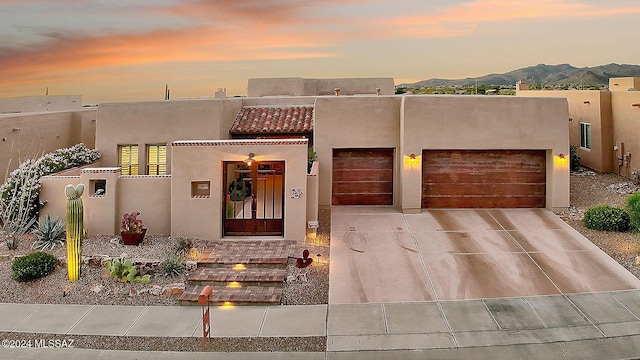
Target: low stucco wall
<point x="149" y="195"/>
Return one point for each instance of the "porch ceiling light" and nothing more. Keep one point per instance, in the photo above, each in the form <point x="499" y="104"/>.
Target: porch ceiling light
<point x="249" y="161"/>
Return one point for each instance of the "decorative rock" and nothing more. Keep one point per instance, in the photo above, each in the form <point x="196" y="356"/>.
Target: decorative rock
<point x="133" y="292"/>
<point x="155" y="290"/>
<point x="144" y="291"/>
<point x="291" y="278"/>
<point x="96" y="288"/>
<point x="115" y="241"/>
<point x="190" y="265"/>
<point x="173" y="289"/>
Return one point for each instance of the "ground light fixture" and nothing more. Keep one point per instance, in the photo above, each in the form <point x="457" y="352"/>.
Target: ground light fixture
<point x="249" y="161"/>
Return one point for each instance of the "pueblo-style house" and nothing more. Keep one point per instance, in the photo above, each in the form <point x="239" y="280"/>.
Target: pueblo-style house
<point x="223" y="167"/>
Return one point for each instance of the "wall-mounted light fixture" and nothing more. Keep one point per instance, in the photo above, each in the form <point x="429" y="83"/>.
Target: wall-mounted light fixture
<point x="249" y="161"/>
<point x="562" y="158"/>
<point x="586" y="102"/>
<point x="636" y="105"/>
<point x="412" y="157"/>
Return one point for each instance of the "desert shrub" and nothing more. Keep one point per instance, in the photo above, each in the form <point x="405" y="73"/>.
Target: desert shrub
<point x="633" y="208"/>
<point x="607" y="218"/>
<point x="21" y="189"/>
<point x="182" y="244"/>
<point x="33" y="266"/>
<point x="171" y="267"/>
<point x="574" y="159"/>
<point x="50" y="232"/>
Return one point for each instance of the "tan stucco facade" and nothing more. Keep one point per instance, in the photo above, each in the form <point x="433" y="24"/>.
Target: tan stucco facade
<point x="197" y="135"/>
<point x="614" y="123"/>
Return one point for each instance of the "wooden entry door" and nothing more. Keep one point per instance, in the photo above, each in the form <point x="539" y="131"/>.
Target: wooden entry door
<point x="254" y="198"/>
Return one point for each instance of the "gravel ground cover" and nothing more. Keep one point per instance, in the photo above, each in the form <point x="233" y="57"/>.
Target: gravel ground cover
<point x="588" y="188"/>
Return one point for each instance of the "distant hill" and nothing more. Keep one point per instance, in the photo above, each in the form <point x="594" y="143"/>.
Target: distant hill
<point x="549" y="75"/>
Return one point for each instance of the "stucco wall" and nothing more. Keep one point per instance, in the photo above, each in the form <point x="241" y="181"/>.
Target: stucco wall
<point x="27" y="104"/>
<point x="203" y="161"/>
<point x="148" y="195"/>
<point x="296" y="86"/>
<point x="624" y="84"/>
<point x="161" y="122"/>
<point x="29" y="136"/>
<point x="588" y="106"/>
<point x="627" y="126"/>
<point x="353" y="122"/>
<point x="478" y="123"/>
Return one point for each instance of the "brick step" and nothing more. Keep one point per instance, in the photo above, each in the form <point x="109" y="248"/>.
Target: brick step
<point x="249" y="295"/>
<point x="279" y="263"/>
<point x="248" y="253"/>
<point x="248" y="277"/>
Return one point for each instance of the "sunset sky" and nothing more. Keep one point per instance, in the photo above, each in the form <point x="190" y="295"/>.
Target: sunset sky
<point x="127" y="50"/>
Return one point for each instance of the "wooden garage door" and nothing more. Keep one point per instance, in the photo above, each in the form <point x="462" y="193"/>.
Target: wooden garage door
<point x="483" y="179"/>
<point x="362" y="177"/>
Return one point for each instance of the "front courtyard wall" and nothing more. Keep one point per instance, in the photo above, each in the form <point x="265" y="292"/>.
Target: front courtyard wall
<point x="203" y="161"/>
<point x="482" y="123"/>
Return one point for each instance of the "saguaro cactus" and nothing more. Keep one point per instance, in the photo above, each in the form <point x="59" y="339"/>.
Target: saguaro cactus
<point x="75" y="230"/>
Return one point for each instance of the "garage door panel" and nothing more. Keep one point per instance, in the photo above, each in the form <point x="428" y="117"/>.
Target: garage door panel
<point x="534" y="177"/>
<point x="362" y="199"/>
<point x="484" y="202"/>
<point x="484" y="189"/>
<point x="362" y="177"/>
<point x="359" y="174"/>
<point x="364" y="163"/>
<point x="340" y="187"/>
<point x="483" y="178"/>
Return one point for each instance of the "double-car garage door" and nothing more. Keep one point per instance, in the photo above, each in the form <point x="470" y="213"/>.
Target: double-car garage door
<point x="450" y="178"/>
<point x="483" y="178"/>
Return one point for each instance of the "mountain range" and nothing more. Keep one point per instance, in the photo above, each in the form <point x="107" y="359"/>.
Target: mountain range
<point x="548" y="75"/>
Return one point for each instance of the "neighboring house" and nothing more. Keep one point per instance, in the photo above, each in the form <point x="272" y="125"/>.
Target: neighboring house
<point x="603" y="124"/>
<point x="34" y="125"/>
<point x="222" y="167"/>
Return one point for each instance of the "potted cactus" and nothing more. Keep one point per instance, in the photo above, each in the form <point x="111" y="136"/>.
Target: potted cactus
<point x="132" y="229"/>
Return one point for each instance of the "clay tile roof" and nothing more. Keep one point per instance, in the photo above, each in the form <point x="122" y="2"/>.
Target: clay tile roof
<point x="273" y="120"/>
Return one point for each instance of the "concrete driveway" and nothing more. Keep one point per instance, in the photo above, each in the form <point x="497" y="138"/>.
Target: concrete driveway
<point x="381" y="255"/>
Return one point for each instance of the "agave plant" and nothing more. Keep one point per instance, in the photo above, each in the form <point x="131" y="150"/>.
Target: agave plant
<point x="50" y="232"/>
<point x="171" y="267"/>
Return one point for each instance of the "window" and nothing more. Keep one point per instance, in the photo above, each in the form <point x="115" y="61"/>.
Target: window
<point x="585" y="135"/>
<point x="157" y="159"/>
<point x="129" y="159"/>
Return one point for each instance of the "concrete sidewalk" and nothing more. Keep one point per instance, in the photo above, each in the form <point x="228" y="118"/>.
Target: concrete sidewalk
<point x="601" y="325"/>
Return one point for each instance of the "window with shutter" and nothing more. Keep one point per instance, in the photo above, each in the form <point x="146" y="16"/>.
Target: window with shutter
<point x="129" y="159"/>
<point x="157" y="159"/>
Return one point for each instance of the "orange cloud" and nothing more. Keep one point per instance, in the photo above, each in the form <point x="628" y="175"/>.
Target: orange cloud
<point x="65" y="54"/>
<point x="462" y="19"/>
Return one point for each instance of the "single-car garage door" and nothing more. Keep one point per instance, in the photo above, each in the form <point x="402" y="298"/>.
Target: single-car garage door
<point x="362" y="177"/>
<point x="483" y="178"/>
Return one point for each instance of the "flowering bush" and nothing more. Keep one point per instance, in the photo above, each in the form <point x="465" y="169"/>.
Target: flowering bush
<point x="131" y="223"/>
<point x="21" y="189"/>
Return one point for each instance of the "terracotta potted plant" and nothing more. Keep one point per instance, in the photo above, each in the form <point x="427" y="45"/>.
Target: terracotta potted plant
<point x="132" y="229"/>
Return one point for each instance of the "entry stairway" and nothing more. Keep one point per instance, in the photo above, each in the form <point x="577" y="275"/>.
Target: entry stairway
<point x="250" y="272"/>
